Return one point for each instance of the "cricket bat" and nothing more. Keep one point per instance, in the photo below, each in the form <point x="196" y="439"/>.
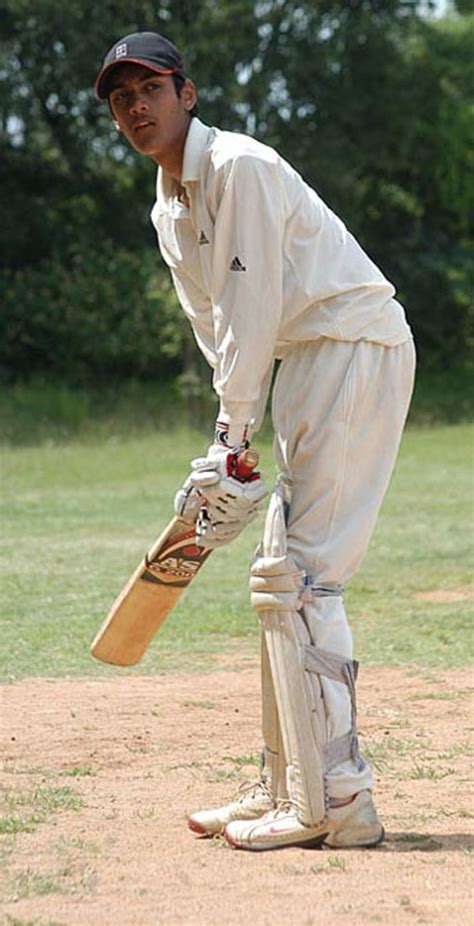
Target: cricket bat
<point x="155" y="587"/>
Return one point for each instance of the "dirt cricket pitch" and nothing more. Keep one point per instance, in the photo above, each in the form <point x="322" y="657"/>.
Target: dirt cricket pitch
<point x="99" y="776"/>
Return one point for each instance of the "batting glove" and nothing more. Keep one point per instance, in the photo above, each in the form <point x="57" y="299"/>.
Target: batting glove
<point x="217" y="500"/>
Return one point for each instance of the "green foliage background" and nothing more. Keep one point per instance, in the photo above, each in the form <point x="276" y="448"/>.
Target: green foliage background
<point x="78" y="516"/>
<point x="370" y="100"/>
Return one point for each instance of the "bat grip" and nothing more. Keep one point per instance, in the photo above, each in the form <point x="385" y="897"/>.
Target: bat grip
<point x="245" y="463"/>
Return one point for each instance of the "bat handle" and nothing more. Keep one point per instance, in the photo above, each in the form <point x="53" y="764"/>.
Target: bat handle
<point x="245" y="464"/>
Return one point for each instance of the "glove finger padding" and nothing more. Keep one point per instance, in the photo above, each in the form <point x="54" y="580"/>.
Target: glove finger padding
<point x="216" y="525"/>
<point x="276" y="584"/>
<point x="230" y="498"/>
<point x="221" y="504"/>
<point x="205" y="472"/>
<point x="187" y="502"/>
<point x="212" y="534"/>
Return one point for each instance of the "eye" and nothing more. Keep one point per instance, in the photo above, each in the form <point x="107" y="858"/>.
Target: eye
<point x="119" y="97"/>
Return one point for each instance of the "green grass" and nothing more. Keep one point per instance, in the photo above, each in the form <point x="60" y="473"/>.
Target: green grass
<point x="23" y="811"/>
<point x="423" y="542"/>
<point x="14" y="921"/>
<point x="40" y="411"/>
<point x="77" y="516"/>
<point x="64" y="880"/>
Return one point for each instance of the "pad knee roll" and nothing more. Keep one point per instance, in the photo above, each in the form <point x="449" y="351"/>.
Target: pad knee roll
<point x="276" y="584"/>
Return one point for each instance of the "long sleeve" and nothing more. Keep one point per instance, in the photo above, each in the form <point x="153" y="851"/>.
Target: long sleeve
<point x="260" y="263"/>
<point x="196" y="307"/>
<point x="247" y="283"/>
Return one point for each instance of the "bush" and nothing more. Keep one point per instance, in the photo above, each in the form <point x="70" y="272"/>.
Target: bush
<point x="91" y="317"/>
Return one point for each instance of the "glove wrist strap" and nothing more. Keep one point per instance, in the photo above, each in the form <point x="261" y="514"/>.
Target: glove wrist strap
<point x="233" y="439"/>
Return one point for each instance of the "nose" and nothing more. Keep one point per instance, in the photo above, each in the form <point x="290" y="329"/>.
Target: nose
<point x="138" y="105"/>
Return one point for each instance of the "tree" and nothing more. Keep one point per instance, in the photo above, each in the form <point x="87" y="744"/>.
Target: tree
<point x="368" y="99"/>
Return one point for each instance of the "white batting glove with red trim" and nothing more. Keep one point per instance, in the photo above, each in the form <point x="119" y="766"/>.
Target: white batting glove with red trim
<point x="217" y="499"/>
<point x="188" y="500"/>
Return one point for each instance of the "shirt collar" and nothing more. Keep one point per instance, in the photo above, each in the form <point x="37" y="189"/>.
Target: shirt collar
<point x="196" y="141"/>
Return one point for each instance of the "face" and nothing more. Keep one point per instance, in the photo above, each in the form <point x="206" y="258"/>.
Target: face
<point x="149" y="112"/>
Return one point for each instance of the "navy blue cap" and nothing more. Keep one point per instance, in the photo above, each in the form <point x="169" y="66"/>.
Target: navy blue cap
<point x="147" y="48"/>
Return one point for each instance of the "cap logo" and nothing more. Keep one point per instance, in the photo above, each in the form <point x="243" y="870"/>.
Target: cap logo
<point x="121" y="50"/>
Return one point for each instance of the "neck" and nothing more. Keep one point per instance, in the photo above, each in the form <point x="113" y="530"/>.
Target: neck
<point x="172" y="165"/>
<point x="172" y="161"/>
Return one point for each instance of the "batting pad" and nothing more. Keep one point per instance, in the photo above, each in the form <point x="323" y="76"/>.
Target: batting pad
<point x="273" y="755"/>
<point x="298" y="693"/>
<point x="294" y="709"/>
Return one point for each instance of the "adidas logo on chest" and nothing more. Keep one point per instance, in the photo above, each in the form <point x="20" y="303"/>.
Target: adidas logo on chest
<point x="236" y="264"/>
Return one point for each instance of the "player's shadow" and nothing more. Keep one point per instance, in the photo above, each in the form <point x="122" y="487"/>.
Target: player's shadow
<point x="427" y="842"/>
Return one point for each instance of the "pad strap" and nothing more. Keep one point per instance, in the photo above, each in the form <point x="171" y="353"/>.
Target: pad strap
<point x="276" y="583"/>
<point x="323" y="662"/>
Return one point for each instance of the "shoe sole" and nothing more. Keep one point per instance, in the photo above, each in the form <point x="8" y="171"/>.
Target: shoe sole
<point x="314" y="843"/>
<point x="200" y="830"/>
<point x="317" y="843"/>
<point x="360" y="845"/>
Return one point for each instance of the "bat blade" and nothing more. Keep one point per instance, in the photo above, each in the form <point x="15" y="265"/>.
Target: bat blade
<point x="155" y="587"/>
<point x="149" y="595"/>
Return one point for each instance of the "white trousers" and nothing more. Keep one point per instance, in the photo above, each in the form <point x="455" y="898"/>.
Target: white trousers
<point x="338" y="410"/>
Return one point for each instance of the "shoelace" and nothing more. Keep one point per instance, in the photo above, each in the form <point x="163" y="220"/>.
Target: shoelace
<point x="247" y="787"/>
<point x="285" y="805"/>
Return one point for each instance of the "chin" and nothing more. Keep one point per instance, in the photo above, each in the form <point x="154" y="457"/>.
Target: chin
<point x="144" y="149"/>
<point x="150" y="150"/>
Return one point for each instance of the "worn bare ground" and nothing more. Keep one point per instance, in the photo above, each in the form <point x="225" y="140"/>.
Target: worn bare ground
<point x="100" y="774"/>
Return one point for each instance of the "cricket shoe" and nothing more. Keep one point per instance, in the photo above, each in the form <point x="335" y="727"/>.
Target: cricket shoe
<point x="348" y="824"/>
<point x="254" y="800"/>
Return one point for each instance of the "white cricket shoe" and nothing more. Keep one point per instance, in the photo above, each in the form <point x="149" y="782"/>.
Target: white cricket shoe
<point x="254" y="801"/>
<point x="346" y="826"/>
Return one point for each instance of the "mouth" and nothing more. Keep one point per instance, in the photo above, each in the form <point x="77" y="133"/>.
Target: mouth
<point x="142" y="125"/>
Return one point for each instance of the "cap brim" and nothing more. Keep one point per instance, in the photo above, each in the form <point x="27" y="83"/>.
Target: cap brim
<point x="101" y="82"/>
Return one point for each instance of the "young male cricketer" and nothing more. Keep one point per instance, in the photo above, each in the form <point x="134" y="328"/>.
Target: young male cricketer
<point x="263" y="270"/>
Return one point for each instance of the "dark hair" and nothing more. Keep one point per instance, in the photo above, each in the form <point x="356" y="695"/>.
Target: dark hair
<point x="179" y="80"/>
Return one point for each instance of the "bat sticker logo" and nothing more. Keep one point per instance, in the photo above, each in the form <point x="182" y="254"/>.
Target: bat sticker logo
<point x="178" y="563"/>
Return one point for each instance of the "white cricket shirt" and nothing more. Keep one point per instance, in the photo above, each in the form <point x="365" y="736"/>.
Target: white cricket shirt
<point x="260" y="262"/>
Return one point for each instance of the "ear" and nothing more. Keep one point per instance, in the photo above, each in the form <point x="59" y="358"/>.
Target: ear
<point x="189" y="94"/>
